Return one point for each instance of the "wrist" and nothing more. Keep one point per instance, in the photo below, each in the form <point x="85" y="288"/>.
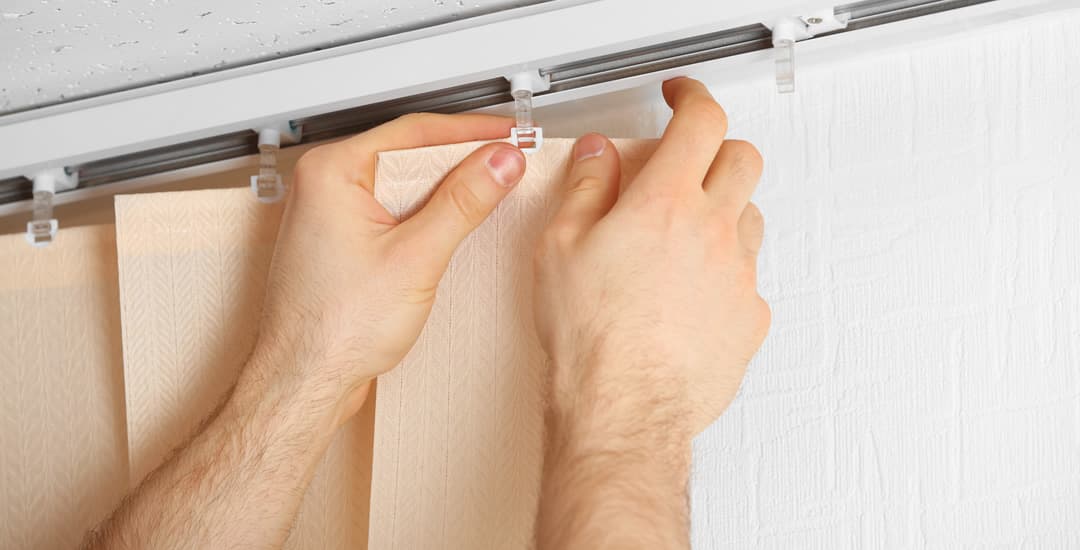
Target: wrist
<point x="600" y="464"/>
<point x="606" y="402"/>
<point x="303" y="384"/>
<point x="282" y="403"/>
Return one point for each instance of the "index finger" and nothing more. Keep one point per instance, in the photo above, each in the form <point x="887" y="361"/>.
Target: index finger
<point x="354" y="157"/>
<point x="690" y="142"/>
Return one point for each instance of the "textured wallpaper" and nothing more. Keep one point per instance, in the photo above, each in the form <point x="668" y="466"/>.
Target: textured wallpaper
<point x="920" y="387"/>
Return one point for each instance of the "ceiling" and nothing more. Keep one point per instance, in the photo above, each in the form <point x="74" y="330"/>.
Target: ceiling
<point x="58" y="50"/>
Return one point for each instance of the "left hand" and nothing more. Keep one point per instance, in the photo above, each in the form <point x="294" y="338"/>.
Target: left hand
<point x="350" y="288"/>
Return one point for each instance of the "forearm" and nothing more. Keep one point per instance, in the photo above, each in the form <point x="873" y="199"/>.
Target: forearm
<point x="615" y="473"/>
<point x="239" y="482"/>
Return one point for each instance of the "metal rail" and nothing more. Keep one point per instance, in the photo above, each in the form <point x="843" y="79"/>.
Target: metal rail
<point x="476" y="95"/>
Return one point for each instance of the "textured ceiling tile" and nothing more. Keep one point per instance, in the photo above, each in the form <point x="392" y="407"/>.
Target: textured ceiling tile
<point x="53" y="50"/>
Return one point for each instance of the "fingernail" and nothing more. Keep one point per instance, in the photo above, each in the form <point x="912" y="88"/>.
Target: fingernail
<point x="589" y="146"/>
<point x="506" y="166"/>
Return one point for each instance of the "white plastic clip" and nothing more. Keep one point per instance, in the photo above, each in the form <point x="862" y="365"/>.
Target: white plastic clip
<point x="267" y="184"/>
<point x="787" y="31"/>
<point x="41" y="229"/>
<point x="525" y="135"/>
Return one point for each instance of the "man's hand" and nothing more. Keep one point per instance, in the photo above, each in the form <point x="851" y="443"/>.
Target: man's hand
<point x="349" y="291"/>
<point x="646" y="303"/>
<point x="350" y="288"/>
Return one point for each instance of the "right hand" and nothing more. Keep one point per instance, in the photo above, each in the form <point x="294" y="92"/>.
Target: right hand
<point x="646" y="299"/>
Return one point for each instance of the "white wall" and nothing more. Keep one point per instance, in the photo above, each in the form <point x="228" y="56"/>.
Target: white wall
<point x="920" y="386"/>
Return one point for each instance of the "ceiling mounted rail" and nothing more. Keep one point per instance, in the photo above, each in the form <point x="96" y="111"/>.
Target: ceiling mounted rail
<point x="482" y="93"/>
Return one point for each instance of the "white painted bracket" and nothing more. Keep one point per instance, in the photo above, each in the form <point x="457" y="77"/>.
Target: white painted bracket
<point x="268" y="185"/>
<point x="42" y="227"/>
<point x="525" y="135"/>
<point x="789" y="30"/>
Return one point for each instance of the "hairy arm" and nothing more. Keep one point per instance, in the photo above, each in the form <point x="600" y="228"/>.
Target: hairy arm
<point x="614" y="479"/>
<point x="646" y="304"/>
<point x="239" y="482"/>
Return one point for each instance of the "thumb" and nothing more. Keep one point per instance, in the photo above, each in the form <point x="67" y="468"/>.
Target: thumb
<point x="463" y="201"/>
<point x="592" y="186"/>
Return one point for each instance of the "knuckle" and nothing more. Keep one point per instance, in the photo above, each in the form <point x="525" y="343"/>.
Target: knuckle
<point x="708" y="111"/>
<point x="746" y="157"/>
<point x="762" y="316"/>
<point x="754" y="214"/>
<point x="751" y="224"/>
<point x="310" y="164"/>
<point x="467" y="203"/>
<point x="586" y="184"/>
